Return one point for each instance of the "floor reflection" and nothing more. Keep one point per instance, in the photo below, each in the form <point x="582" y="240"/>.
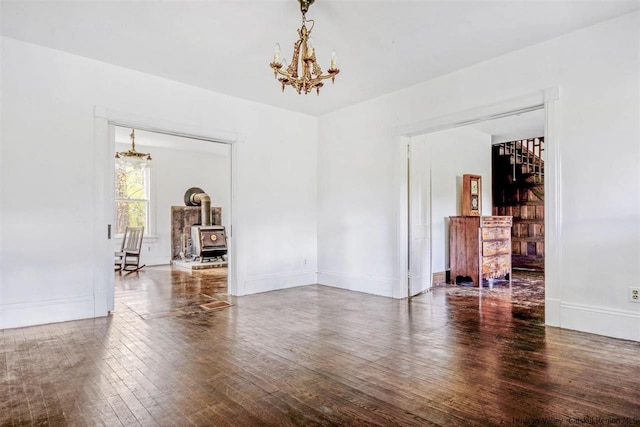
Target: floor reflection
<point x="162" y="291"/>
<point x="314" y="355"/>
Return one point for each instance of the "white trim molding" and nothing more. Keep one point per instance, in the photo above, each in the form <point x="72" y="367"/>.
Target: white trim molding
<point x="383" y="286"/>
<point x="505" y="108"/>
<point x="400" y="286"/>
<point x="622" y="324"/>
<point x="270" y="282"/>
<point x="552" y="208"/>
<point x="168" y="127"/>
<point x="51" y="311"/>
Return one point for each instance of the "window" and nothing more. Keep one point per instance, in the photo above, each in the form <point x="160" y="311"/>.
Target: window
<point x="132" y="196"/>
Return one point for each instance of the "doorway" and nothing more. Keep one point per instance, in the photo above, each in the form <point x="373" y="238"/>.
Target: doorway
<point x="179" y="164"/>
<point x="545" y="113"/>
<point x="105" y="122"/>
<point x="518" y="191"/>
<point x="443" y="158"/>
<point x="517" y="178"/>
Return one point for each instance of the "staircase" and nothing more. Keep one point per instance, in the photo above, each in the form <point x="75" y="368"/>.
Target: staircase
<point x="518" y="191"/>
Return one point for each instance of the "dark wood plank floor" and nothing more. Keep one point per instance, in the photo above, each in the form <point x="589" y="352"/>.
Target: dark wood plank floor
<point x="314" y="356"/>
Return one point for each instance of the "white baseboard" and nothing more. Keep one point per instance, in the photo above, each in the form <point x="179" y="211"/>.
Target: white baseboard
<point x="49" y="311"/>
<point x="552" y="311"/>
<point x="100" y="305"/>
<point x="273" y="282"/>
<point x="622" y="324"/>
<point x="156" y="260"/>
<point x="382" y="286"/>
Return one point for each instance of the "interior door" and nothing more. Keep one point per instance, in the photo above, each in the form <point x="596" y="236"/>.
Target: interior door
<point x="419" y="217"/>
<point x="104" y="145"/>
<point x="109" y="189"/>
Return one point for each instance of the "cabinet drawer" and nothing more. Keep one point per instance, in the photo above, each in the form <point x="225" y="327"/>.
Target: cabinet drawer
<point x="496" y="221"/>
<point x="490" y="233"/>
<point x="496" y="247"/>
<point x="496" y="266"/>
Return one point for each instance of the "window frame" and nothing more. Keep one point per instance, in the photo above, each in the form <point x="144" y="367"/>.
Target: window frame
<point x="148" y="200"/>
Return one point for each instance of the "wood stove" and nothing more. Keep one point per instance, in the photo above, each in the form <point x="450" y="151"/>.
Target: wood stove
<point x="209" y="242"/>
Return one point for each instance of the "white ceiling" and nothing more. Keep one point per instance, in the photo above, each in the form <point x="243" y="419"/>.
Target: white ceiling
<point x="226" y="46"/>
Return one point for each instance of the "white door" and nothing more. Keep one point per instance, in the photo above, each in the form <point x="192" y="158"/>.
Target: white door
<point x="419" y="217"/>
<point x="109" y="189"/>
<point x="104" y="145"/>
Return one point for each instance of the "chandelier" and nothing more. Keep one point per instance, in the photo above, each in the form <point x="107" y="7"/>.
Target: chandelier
<point x="303" y="74"/>
<point x="132" y="156"/>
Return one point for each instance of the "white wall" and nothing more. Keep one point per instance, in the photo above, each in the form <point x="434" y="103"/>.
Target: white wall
<point x="173" y="171"/>
<point x="48" y="270"/>
<point x="598" y="131"/>
<point x="453" y="153"/>
<point x="350" y="219"/>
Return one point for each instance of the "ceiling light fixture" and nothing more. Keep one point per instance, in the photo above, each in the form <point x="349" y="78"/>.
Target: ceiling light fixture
<point x="132" y="156"/>
<point x="304" y="57"/>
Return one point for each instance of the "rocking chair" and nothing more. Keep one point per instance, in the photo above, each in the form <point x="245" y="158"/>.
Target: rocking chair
<point x="128" y="259"/>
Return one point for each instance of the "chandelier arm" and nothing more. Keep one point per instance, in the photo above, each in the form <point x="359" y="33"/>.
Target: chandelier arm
<point x="326" y="76"/>
<point x="283" y="73"/>
<point x="331" y="74"/>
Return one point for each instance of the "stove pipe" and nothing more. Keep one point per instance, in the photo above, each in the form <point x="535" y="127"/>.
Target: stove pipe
<point x="197" y="197"/>
<point x="205" y="209"/>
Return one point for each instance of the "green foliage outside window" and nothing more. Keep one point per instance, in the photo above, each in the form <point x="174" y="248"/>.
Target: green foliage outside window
<point x="132" y="199"/>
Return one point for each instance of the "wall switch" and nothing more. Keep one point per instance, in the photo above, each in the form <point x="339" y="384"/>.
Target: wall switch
<point x="634" y="294"/>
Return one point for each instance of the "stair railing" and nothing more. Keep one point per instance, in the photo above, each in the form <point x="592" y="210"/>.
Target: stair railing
<point x="526" y="154"/>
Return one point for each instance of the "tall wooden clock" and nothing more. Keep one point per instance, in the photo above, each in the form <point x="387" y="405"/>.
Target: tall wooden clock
<point x="471" y="195"/>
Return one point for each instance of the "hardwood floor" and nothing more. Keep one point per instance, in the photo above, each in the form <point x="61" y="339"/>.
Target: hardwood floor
<point x="314" y="356"/>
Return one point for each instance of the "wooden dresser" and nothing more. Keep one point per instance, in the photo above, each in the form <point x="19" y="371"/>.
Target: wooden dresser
<point x="480" y="248"/>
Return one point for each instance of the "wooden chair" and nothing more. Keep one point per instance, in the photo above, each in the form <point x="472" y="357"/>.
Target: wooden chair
<point x="128" y="259"/>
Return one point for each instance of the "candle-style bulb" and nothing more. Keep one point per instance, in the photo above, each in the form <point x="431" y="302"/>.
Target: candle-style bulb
<point x="276" y="53"/>
<point x="334" y="60"/>
<point x="309" y="47"/>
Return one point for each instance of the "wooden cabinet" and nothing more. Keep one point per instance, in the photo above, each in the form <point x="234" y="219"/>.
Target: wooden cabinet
<point x="479" y="248"/>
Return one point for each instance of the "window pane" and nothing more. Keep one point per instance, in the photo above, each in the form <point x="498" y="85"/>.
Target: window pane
<point x="129" y="182"/>
<point x="132" y="214"/>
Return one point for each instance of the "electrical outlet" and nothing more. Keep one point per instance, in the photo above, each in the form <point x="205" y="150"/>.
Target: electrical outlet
<point x="634" y="294"/>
